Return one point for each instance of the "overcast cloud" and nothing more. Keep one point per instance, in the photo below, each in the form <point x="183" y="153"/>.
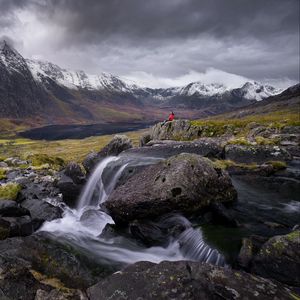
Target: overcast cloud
<point x="161" y="42"/>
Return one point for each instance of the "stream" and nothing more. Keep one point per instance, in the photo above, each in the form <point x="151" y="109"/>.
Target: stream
<point x="87" y="227"/>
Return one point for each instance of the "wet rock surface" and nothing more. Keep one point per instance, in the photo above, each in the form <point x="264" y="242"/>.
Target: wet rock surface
<point x="279" y="258"/>
<point x="186" y="280"/>
<point x="184" y="183"/>
<point x="44" y="257"/>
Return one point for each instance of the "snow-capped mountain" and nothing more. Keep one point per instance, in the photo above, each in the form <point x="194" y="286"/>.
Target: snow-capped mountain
<point x="30" y="86"/>
<point x="105" y="81"/>
<point x="76" y="79"/>
<point x="257" y="91"/>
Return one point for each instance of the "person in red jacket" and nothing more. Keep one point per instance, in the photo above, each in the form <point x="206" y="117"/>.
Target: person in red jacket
<point x="170" y="119"/>
<point x="171" y="116"/>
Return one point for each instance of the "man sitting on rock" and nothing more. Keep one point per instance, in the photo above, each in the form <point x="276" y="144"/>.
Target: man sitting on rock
<point x="170" y="119"/>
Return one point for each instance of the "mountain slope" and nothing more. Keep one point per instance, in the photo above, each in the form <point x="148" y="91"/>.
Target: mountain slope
<point x="30" y="88"/>
<point x="20" y="94"/>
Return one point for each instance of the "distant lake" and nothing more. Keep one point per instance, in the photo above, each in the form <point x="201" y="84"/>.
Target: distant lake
<point x="60" y="132"/>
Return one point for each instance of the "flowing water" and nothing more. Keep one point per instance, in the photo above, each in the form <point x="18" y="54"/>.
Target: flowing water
<point x="85" y="227"/>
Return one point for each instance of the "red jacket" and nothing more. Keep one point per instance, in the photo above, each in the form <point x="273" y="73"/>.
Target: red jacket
<point x="171" y="117"/>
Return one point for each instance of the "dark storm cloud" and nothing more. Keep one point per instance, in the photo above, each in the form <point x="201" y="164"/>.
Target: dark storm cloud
<point x="94" y="20"/>
<point x="257" y="38"/>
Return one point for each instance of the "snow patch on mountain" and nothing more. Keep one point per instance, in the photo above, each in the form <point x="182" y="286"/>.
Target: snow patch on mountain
<point x="257" y="91"/>
<point x="77" y="79"/>
<point x="106" y="82"/>
<point x="11" y="59"/>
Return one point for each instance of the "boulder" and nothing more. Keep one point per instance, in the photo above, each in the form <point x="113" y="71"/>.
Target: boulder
<point x="257" y="154"/>
<point x="186" y="280"/>
<point x="10" y="208"/>
<point x="60" y="294"/>
<point x="118" y="144"/>
<point x="279" y="259"/>
<point x="43" y="210"/>
<point x="184" y="183"/>
<point x="144" y="139"/>
<point x="160" y="231"/>
<point x="69" y="189"/>
<point x="51" y="258"/>
<point x="73" y="170"/>
<point x="174" y="130"/>
<point x="90" y="161"/>
<point x="3" y="164"/>
<point x="17" y="281"/>
<point x="21" y="226"/>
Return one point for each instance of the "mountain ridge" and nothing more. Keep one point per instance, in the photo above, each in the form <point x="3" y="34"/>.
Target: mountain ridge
<point x="34" y="88"/>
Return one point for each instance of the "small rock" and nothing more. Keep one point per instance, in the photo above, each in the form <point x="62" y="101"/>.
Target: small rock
<point x="73" y="170"/>
<point x="3" y="164"/>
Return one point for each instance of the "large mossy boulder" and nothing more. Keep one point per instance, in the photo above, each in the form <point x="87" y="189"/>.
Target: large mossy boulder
<point x="174" y="130"/>
<point x="183" y="183"/>
<point x="186" y="280"/>
<point x="118" y="144"/>
<point x="279" y="258"/>
<point x="256" y="153"/>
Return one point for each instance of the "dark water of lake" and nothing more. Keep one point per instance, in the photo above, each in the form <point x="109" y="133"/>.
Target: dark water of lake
<point x="60" y="132"/>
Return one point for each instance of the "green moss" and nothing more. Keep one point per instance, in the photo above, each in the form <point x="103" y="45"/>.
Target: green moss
<point x="225" y="164"/>
<point x="4" y="233"/>
<point x="278" y="245"/>
<point x="294" y="296"/>
<point x="264" y="141"/>
<point x="9" y="191"/>
<point x="239" y="141"/>
<point x="294" y="236"/>
<point x="2" y="173"/>
<point x="38" y="160"/>
<point x="278" y="165"/>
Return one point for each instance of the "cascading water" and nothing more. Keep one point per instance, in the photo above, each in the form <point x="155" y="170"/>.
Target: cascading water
<point x="84" y="226"/>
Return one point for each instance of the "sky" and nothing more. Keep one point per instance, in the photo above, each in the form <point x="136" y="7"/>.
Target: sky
<point x="161" y="43"/>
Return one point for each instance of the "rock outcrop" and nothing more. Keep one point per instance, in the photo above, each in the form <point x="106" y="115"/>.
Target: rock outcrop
<point x="186" y="280"/>
<point x="258" y="154"/>
<point x="184" y="183"/>
<point x="279" y="259"/>
<point x="118" y="144"/>
<point x="71" y="183"/>
<point x="40" y="262"/>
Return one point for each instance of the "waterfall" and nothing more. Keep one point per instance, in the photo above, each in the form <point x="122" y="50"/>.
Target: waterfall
<point x="83" y="227"/>
<point x="95" y="185"/>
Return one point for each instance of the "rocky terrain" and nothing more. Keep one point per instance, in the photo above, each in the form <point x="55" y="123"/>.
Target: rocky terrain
<point x="183" y="167"/>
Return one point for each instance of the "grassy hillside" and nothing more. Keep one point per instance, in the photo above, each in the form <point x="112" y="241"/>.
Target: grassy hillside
<point x="66" y="149"/>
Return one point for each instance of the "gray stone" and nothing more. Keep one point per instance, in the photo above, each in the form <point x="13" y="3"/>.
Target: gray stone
<point x="117" y="145"/>
<point x="187" y="281"/>
<point x="185" y="183"/>
<point x="279" y="259"/>
<point x="43" y="210"/>
<point x="258" y="154"/>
